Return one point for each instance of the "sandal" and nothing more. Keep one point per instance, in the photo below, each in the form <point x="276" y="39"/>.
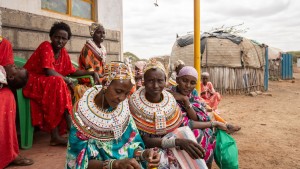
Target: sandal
<point x="231" y="128"/>
<point x="21" y="161"/>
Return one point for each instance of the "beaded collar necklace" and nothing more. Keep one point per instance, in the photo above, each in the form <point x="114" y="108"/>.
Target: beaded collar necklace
<point x="97" y="123"/>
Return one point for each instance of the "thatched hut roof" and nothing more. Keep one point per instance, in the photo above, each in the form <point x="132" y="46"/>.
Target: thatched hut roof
<point x="220" y="49"/>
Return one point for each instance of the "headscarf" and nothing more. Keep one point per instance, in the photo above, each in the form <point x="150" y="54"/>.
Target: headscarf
<point x="117" y="71"/>
<point x="177" y="63"/>
<point x="188" y="70"/>
<point x="140" y="64"/>
<point x="154" y="64"/>
<point x="206" y="74"/>
<point x="94" y="27"/>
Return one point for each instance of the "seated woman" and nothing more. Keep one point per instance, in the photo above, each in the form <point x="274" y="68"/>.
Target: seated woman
<point x="208" y="93"/>
<point x="10" y="77"/>
<point x="93" y="54"/>
<point x="195" y="115"/>
<point x="156" y="114"/>
<point x="47" y="86"/>
<point x="103" y="134"/>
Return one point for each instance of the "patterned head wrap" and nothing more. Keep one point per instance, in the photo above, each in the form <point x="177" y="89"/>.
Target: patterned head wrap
<point x="154" y="64"/>
<point x="177" y="63"/>
<point x="206" y="74"/>
<point x="94" y="27"/>
<point x="117" y="71"/>
<point x="188" y="70"/>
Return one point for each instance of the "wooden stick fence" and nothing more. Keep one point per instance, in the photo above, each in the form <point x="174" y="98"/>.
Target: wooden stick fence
<point x="236" y="80"/>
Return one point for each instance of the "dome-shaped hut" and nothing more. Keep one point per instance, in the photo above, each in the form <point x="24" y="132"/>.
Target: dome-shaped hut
<point x="235" y="64"/>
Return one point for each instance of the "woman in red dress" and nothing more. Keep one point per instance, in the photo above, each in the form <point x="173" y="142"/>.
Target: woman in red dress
<point x="47" y="86"/>
<point x="16" y="78"/>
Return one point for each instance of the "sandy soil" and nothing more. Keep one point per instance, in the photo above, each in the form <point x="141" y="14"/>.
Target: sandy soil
<point x="270" y="132"/>
<point x="269" y="137"/>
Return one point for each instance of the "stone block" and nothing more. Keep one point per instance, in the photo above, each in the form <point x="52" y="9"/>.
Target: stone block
<point x="110" y="58"/>
<point x="267" y="94"/>
<point x="258" y="92"/>
<point x="27" y="31"/>
<point x="253" y="94"/>
<point x="76" y="44"/>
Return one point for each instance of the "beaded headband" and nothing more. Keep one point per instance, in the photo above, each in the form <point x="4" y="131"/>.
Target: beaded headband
<point x="94" y="27"/>
<point x="117" y="71"/>
<point x="154" y="64"/>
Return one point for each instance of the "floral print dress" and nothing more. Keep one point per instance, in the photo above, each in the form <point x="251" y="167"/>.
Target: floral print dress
<point x="205" y="137"/>
<point x="81" y="149"/>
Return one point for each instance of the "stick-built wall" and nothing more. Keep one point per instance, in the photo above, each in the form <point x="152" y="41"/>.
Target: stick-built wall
<point x="236" y="80"/>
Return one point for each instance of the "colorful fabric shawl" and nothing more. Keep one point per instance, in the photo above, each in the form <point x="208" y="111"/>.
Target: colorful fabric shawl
<point x="92" y="57"/>
<point x="204" y="137"/>
<point x="183" y="158"/>
<point x="212" y="98"/>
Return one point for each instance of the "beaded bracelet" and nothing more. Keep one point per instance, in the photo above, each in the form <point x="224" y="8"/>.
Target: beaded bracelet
<point x="212" y="124"/>
<point x="168" y="143"/>
<point x="189" y="106"/>
<point x="138" y="154"/>
<point x="107" y="164"/>
<point x="191" y="124"/>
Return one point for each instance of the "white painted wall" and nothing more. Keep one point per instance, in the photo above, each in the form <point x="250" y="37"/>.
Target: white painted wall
<point x="108" y="12"/>
<point x="111" y="13"/>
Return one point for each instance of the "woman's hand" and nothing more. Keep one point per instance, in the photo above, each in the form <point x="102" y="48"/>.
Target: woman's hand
<point x="126" y="164"/>
<point x="70" y="83"/>
<point x="193" y="149"/>
<point x="96" y="78"/>
<point x="178" y="96"/>
<point x="100" y="75"/>
<point x="152" y="157"/>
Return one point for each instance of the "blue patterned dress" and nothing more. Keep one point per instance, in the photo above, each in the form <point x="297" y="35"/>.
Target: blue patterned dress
<point x="81" y="149"/>
<point x="100" y="134"/>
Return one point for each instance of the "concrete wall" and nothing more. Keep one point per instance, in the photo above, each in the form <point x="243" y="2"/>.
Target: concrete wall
<point x="26" y="25"/>
<point x="108" y="12"/>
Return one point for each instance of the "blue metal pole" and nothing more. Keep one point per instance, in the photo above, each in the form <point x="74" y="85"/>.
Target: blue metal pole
<point x="291" y="66"/>
<point x="266" y="80"/>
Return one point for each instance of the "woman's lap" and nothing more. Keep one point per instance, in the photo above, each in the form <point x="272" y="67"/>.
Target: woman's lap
<point x="50" y="98"/>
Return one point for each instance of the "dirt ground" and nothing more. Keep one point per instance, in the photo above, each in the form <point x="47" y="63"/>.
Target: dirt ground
<point x="269" y="137"/>
<point x="270" y="132"/>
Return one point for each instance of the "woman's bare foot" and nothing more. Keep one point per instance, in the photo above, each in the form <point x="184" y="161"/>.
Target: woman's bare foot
<point x="232" y="128"/>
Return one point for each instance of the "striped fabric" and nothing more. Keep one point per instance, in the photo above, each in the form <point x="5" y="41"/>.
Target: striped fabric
<point x="184" y="159"/>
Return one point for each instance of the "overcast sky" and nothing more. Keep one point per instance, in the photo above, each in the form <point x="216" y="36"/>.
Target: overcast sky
<point x="151" y="31"/>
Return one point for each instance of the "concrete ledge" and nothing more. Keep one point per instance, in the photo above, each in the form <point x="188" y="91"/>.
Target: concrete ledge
<point x="26" y="31"/>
